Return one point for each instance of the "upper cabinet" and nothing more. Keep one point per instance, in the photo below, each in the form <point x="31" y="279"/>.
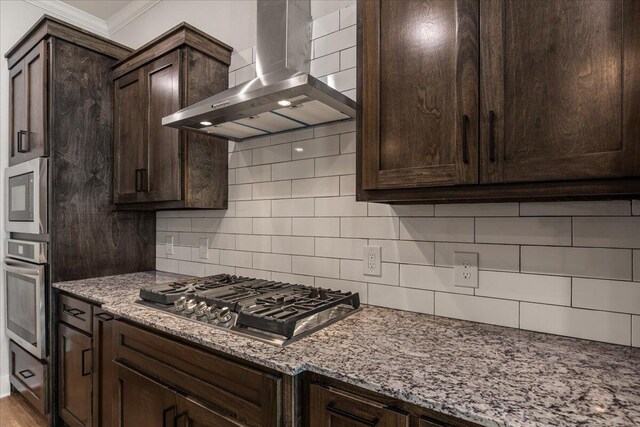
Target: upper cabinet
<point x="496" y="100"/>
<point x="157" y="167"/>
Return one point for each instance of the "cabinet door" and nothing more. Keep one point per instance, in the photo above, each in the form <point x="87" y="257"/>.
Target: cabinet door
<point x="75" y="369"/>
<point x="28" y="106"/>
<point x="560" y="90"/>
<point x="193" y="414"/>
<point x="334" y="408"/>
<point x="141" y="402"/>
<point x="129" y="137"/>
<point x="161" y="170"/>
<point x="419" y="101"/>
<point x="102" y="368"/>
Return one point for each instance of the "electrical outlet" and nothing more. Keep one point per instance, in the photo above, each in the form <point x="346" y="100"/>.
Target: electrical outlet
<point x="465" y="269"/>
<point x="203" y="249"/>
<point x="371" y="260"/>
<point x="168" y="245"/>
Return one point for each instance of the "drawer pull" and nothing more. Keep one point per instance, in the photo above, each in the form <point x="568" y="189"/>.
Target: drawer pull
<point x="492" y="137"/>
<point x="465" y="146"/>
<point x="171" y="408"/>
<point x="84" y="373"/>
<point x="331" y="408"/>
<point x="21" y="148"/>
<point x="104" y="316"/>
<point x="26" y="374"/>
<point x="74" y="312"/>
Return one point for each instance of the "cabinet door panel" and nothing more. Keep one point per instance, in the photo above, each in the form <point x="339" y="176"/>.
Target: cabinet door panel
<point x="103" y="368"/>
<point x="17" y="108"/>
<point x="162" y="155"/>
<point x="193" y="414"/>
<point x="75" y="376"/>
<point x="558" y="91"/>
<point x="419" y="101"/>
<point x="129" y="136"/>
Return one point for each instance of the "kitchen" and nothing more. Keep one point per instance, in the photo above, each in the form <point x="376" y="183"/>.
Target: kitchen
<point x="371" y="212"/>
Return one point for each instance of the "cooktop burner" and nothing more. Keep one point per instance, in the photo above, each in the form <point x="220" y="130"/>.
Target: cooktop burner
<point x="276" y="312"/>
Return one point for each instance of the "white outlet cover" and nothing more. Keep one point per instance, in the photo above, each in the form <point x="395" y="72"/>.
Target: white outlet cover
<point x="203" y="249"/>
<point x="372" y="260"/>
<point x="465" y="269"/>
<point x="168" y="245"/>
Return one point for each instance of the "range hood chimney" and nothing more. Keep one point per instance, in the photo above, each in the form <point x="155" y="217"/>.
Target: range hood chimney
<point x="283" y="96"/>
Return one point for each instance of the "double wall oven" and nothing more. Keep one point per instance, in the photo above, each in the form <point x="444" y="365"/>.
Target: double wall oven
<point x="25" y="263"/>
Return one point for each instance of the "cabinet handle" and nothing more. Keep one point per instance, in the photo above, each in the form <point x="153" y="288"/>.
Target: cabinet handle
<point x="177" y="417"/>
<point x="492" y="139"/>
<point x="144" y="180"/>
<point x="26" y="374"/>
<point x="465" y="145"/>
<point x="171" y="408"/>
<point x="21" y="148"/>
<point x="331" y="408"/>
<point x="104" y="317"/>
<point x="74" y="312"/>
<point x="84" y="352"/>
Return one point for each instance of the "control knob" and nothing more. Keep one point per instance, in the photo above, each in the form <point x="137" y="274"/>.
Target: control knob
<point x="200" y="308"/>
<point x="224" y="315"/>
<point x="180" y="303"/>
<point x="190" y="306"/>
<point x="210" y="312"/>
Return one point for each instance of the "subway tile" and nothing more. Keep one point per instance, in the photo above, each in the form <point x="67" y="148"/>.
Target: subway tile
<point x="353" y="270"/>
<point x="437" y="229"/>
<point x="272" y="154"/>
<point x="180" y="252"/>
<point x="325" y="25"/>
<point x="348" y="58"/>
<point x="293" y="170"/>
<point x="210" y="213"/>
<point x="205" y="225"/>
<point x="231" y="176"/>
<point x="317" y="147"/>
<point x="374" y="228"/>
<point x="292" y="245"/>
<point x="292" y="135"/>
<point x="327" y="227"/>
<point x="636" y="266"/>
<point x="189" y="239"/>
<point x="609" y="232"/>
<point x="340" y="206"/>
<point x="191" y="268"/>
<point x="250" y="144"/>
<point x="417" y="300"/>
<point x="334" y="42"/>
<point x="477" y="209"/>
<point x="245" y="74"/>
<point x="344" y="286"/>
<point x="162" y="224"/>
<point x="351" y="94"/>
<point x="292" y="207"/>
<point x="348" y="185"/>
<point x="272" y="190"/>
<point x="606" y="295"/>
<point x="169" y="265"/>
<point x="277" y="226"/>
<point x="178" y="224"/>
<point x="586" y="324"/>
<point x="293" y="278"/>
<point x="525" y="287"/>
<point x="231" y="79"/>
<point x="251" y="242"/>
<point x="316" y="187"/>
<point x="315" y="266"/>
<point x="554" y="231"/>
<point x="235" y="225"/>
<point x="342" y="80"/>
<point x="348" y="143"/>
<point x="253" y="174"/>
<point x="272" y="262"/>
<point x="406" y="251"/>
<point x="635" y="330"/>
<point x="236" y="258"/>
<point x="213" y="269"/>
<point x="334" y="129"/>
<point x="240" y="192"/>
<point x="592" y="208"/>
<point x="477" y="309"/>
<point x="253" y="208"/>
<point x="344" y="164"/>
<point x="161" y="251"/>
<point x="212" y="256"/>
<point x="383" y="209"/>
<point x="241" y="59"/>
<point x="325" y="65"/>
<point x="348" y="16"/>
<point x="239" y="159"/>
<point x="432" y="278"/>
<point x="581" y="262"/>
<point x="490" y="257"/>
<point x="340" y="248"/>
<point x="253" y="272"/>
<point x="221" y="241"/>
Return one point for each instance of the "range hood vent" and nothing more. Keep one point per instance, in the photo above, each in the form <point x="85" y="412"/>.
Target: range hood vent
<point x="283" y="96"/>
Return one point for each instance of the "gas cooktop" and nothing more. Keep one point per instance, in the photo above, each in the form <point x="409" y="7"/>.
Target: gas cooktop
<point x="275" y="312"/>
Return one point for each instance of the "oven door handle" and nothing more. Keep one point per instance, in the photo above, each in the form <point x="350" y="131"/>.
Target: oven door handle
<point x="12" y="267"/>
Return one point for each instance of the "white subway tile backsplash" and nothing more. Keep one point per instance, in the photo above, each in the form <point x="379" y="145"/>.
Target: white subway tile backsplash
<point x="240" y="192"/>
<point x="636" y="266"/>
<point x="315" y="266"/>
<point x="581" y="262"/>
<point x="374" y="228"/>
<point x="606" y="295"/>
<point x="272" y="154"/>
<point x="353" y="270"/>
<point x="334" y="42"/>
<point x="490" y="257"/>
<point x="205" y="225"/>
<point x="181" y="253"/>
<point x="334" y="129"/>
<point x="253" y="208"/>
<point x="342" y="80"/>
<point x="252" y="242"/>
<point x="406" y="251"/>
<point x="348" y="16"/>
<point x="178" y="224"/>
<point x="635" y="331"/>
<point x="607" y="232"/>
<point x="477" y="309"/>
<point x="253" y="174"/>
<point x="241" y="59"/>
<point x="212" y="256"/>
<point x="222" y="241"/>
<point x="340" y="248"/>
<point x="272" y="190"/>
<point x="236" y="258"/>
<point x="525" y="287"/>
<point x="383" y="209"/>
<point x="253" y="272"/>
<point x="432" y="278"/>
<point x="276" y="226"/>
<point x="290" y="136"/>
<point x="417" y="300"/>
<point x="191" y="268"/>
<point x="245" y="74"/>
<point x="240" y="159"/>
<point x="293" y="278"/>
<point x="213" y="269"/>
<point x="595" y="208"/>
<point x="348" y="58"/>
<point x="272" y="262"/>
<point x="340" y="206"/>
<point x="170" y="265"/>
<point x="317" y="147"/>
<point x="293" y="245"/>
<point x="477" y="209"/>
<point x="437" y="229"/>
<point x="526" y="231"/>
<point x="348" y="143"/>
<point x="188" y="239"/>
<point x="316" y="187"/>
<point x="327" y="227"/>
<point x="293" y="170"/>
<point x="325" y="65"/>
<point x="292" y="207"/>
<point x="325" y="25"/>
<point x="344" y="164"/>
<point x="344" y="286"/>
<point x="348" y="185"/>
<point x="588" y="324"/>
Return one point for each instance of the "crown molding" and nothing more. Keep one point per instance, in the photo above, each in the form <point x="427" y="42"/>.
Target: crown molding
<point x="73" y="15"/>
<point x="128" y="13"/>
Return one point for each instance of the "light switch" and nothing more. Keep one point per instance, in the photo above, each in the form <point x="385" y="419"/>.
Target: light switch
<point x="204" y="249"/>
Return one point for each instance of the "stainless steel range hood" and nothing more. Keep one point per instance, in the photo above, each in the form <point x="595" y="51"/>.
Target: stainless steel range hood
<point x="283" y="96"/>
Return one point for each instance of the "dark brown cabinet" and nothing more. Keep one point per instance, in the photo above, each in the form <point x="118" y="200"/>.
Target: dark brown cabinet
<point x="28" y="106"/>
<point x="556" y="80"/>
<point x="30" y="377"/>
<point x="102" y="405"/>
<point x="157" y="167"/>
<point x="75" y="370"/>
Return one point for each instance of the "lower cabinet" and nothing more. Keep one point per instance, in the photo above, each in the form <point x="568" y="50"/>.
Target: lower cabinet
<point x="75" y="370"/>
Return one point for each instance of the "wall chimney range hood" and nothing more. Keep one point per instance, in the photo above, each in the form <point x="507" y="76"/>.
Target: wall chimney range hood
<point x="283" y="96"/>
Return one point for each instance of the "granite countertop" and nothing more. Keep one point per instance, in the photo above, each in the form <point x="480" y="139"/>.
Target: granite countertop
<point x="491" y="375"/>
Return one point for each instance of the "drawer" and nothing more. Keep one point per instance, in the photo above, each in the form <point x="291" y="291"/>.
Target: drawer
<point x="29" y="376"/>
<point x="245" y="394"/>
<point x="75" y="313"/>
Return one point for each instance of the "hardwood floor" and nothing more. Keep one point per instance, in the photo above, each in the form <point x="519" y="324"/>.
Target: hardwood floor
<point x="15" y="411"/>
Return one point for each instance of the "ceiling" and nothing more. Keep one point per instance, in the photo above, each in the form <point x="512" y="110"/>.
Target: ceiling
<point x="103" y="9"/>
